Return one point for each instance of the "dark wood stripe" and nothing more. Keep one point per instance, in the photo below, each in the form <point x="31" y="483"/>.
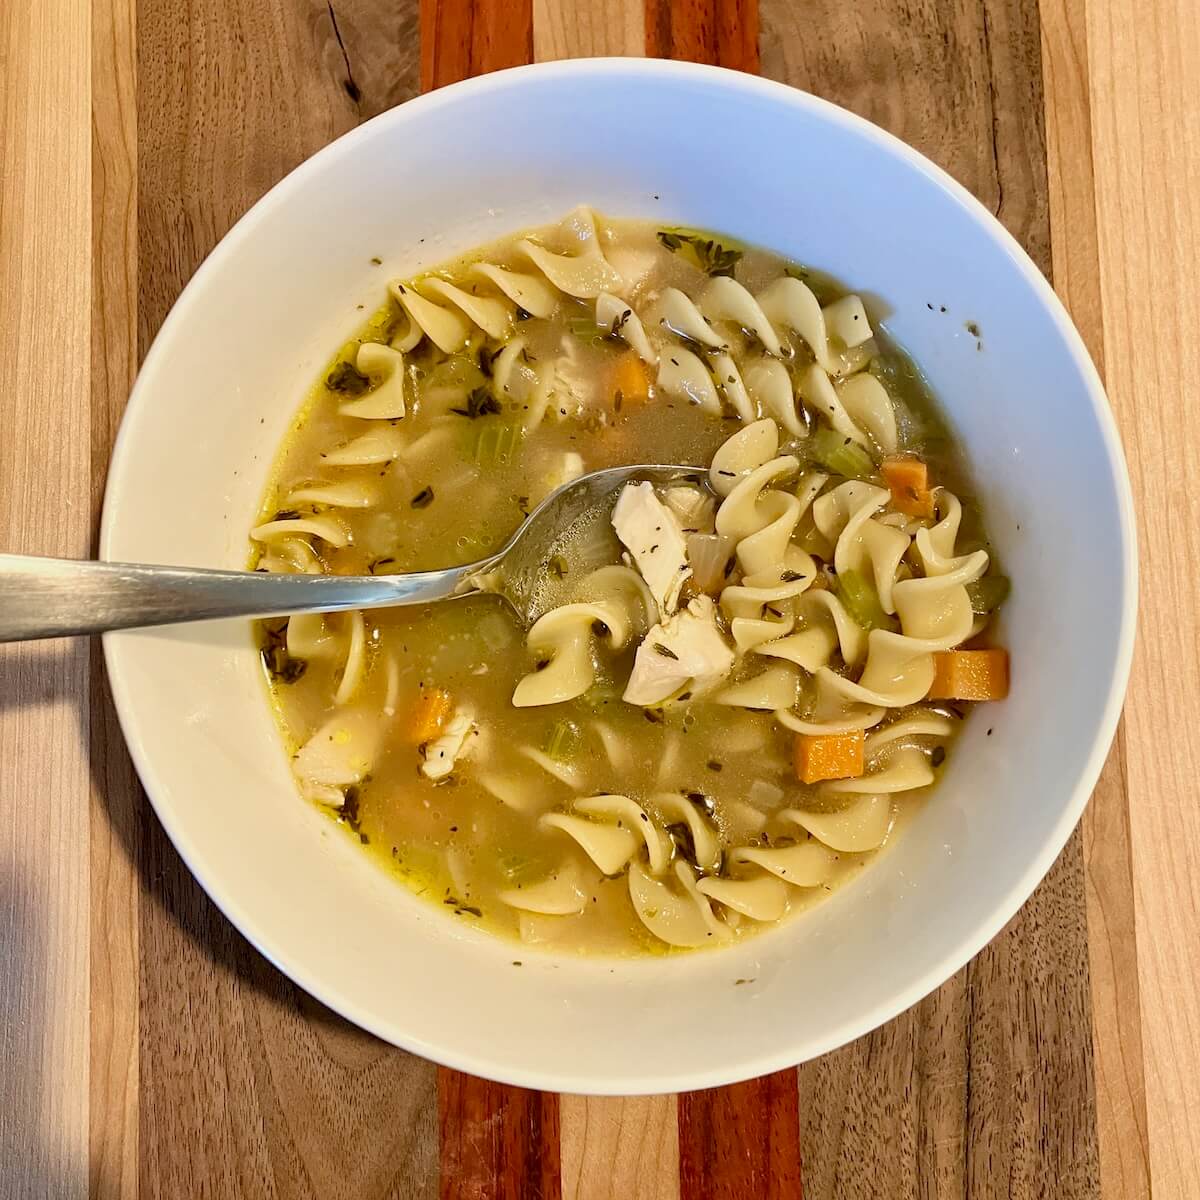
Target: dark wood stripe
<point x="498" y="1142"/>
<point x="248" y="1087"/>
<point x="988" y="1083"/>
<point x="721" y="32"/>
<point x="462" y="38"/>
<point x="741" y="1142"/>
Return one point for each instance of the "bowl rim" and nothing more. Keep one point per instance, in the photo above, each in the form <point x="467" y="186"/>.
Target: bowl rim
<point x="954" y="957"/>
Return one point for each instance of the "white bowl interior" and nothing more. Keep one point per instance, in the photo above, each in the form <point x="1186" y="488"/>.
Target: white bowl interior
<point x="711" y="149"/>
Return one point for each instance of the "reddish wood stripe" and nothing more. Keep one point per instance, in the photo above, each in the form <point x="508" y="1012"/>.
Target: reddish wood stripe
<point x="498" y="1142"/>
<point x="741" y="1142"/>
<point x="721" y="32"/>
<point x="462" y="38"/>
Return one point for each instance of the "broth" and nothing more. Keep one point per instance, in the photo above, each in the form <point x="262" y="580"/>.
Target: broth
<point x="587" y="822"/>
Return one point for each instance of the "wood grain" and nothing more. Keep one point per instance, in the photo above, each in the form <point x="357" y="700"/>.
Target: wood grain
<point x="1116" y="994"/>
<point x="116" y="796"/>
<point x="498" y="1142"/>
<point x="1142" y="63"/>
<point x="885" y="1116"/>
<point x="588" y="28"/>
<point x="189" y="1062"/>
<point x="44" y="466"/>
<point x="740" y="1141"/>
<point x="462" y="38"/>
<point x="723" y="33"/>
<point x="963" y="1090"/>
<point x="1112" y="937"/>
<point x="626" y="1148"/>
<point x="961" y="82"/>
<point x="246" y="1083"/>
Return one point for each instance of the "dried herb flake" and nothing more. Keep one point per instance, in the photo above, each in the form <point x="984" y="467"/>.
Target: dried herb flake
<point x="480" y="403"/>
<point x="347" y="379"/>
<point x="708" y="254"/>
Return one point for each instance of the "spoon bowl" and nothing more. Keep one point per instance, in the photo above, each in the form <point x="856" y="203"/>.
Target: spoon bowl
<point x="55" y="597"/>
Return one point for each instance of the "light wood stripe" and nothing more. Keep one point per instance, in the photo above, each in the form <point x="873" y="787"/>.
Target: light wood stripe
<point x="1142" y="62"/>
<point x="44" y="507"/>
<point x="116" y="795"/>
<point x="587" y="28"/>
<point x="619" y="1148"/>
<point x="1112" y="942"/>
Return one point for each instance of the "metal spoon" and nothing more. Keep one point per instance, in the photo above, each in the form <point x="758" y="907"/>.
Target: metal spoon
<point x="56" y="597"/>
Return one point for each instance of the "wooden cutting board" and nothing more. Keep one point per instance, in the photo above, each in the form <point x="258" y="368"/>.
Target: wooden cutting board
<point x="147" y="1051"/>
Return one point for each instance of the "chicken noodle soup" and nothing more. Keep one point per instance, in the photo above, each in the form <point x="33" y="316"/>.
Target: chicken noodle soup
<point x="732" y="691"/>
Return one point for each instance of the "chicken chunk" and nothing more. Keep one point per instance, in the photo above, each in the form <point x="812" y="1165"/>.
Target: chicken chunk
<point x="652" y="535"/>
<point x="687" y="648"/>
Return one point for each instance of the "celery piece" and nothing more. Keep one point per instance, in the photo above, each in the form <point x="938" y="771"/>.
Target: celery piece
<point x="517" y="867"/>
<point x="988" y="593"/>
<point x="862" y="601"/>
<point x="562" y="741"/>
<point x="511" y="434"/>
<point x="841" y="455"/>
<point x="497" y="442"/>
<point x="452" y="381"/>
<point x="601" y="694"/>
<point x="382" y="324"/>
<point x="586" y="328"/>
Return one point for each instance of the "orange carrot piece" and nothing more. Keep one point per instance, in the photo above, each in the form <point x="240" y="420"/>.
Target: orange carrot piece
<point x="970" y="675"/>
<point x="908" y="479"/>
<point x="429" y="715"/>
<point x="630" y="379"/>
<point x="829" y="756"/>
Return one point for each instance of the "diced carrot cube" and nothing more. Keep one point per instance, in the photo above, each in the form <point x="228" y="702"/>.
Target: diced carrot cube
<point x="429" y="715"/>
<point x="908" y="479"/>
<point x="903" y="472"/>
<point x="970" y="675"/>
<point x="829" y="756"/>
<point x="630" y="379"/>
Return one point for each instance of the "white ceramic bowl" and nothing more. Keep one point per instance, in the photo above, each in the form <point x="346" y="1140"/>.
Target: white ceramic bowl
<point x="685" y="145"/>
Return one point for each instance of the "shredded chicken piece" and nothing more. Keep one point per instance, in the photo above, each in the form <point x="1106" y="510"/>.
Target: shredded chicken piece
<point x="687" y="648"/>
<point x="652" y="534"/>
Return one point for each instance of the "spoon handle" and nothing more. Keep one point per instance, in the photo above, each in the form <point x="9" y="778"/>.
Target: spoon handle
<point x="57" y="597"/>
